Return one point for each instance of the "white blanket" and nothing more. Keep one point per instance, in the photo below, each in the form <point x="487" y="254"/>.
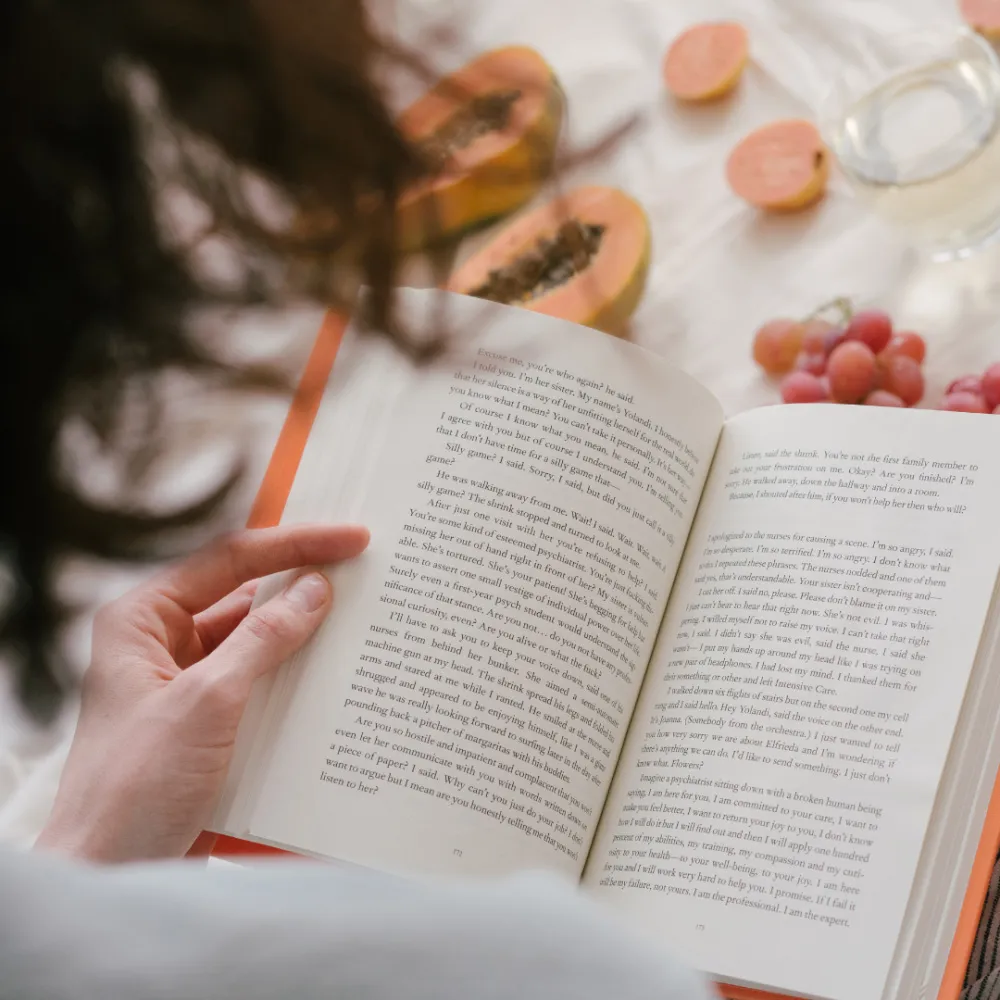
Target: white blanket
<point x="719" y="268"/>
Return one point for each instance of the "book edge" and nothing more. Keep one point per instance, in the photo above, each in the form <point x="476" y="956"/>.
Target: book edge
<point x="275" y="487"/>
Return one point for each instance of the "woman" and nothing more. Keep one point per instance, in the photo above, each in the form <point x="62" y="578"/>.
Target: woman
<point x="94" y="298"/>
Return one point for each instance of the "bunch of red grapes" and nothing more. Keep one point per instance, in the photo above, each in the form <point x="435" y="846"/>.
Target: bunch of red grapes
<point x="974" y="393"/>
<point x="861" y="360"/>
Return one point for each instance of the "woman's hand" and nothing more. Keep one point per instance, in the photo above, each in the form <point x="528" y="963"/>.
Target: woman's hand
<point x="172" y="667"/>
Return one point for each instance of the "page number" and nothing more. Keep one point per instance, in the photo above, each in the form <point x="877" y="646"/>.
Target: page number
<point x="457" y="852"/>
<point x="699" y="927"/>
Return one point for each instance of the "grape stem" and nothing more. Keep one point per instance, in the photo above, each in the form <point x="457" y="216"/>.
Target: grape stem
<point x="841" y="304"/>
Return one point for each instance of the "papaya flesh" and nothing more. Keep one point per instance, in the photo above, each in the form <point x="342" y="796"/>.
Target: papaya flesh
<point x="706" y="61"/>
<point x="782" y="166"/>
<point x="582" y="257"/>
<point x="982" y="16"/>
<point x="488" y="134"/>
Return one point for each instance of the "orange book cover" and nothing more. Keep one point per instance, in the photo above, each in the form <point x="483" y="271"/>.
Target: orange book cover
<point x="267" y="510"/>
<point x="269" y="503"/>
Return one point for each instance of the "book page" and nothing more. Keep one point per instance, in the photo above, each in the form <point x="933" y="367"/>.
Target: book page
<point x="529" y="496"/>
<point x="783" y="763"/>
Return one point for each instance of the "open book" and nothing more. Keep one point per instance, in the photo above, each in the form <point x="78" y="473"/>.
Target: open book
<point x="734" y="676"/>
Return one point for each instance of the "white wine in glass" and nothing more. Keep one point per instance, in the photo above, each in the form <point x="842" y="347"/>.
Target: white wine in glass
<point x="916" y="128"/>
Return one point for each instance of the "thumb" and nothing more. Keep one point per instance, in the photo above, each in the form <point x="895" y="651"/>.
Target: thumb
<point x="274" y="631"/>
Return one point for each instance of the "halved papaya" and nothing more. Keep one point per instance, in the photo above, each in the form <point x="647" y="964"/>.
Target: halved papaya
<point x="782" y="166"/>
<point x="489" y="133"/>
<point x="982" y="16"/>
<point x="706" y="61"/>
<point x="582" y="257"/>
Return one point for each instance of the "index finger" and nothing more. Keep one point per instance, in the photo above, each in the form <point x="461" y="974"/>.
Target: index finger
<point x="224" y="565"/>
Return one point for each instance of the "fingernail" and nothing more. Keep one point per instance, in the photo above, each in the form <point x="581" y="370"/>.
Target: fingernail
<point x="308" y="592"/>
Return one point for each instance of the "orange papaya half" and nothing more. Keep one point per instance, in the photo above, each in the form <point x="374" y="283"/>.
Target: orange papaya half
<point x="582" y="257"/>
<point x="489" y="133"/>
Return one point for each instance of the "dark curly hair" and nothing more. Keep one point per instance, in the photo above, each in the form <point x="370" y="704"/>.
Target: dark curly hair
<point x="94" y="292"/>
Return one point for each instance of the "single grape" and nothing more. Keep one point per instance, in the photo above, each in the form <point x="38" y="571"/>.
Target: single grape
<point x="991" y="385"/>
<point x="872" y="327"/>
<point x="852" y="372"/>
<point x="902" y="377"/>
<point x="802" y="387"/>
<point x="833" y="339"/>
<point x="776" y="345"/>
<point x="910" y="344"/>
<point x="882" y="398"/>
<point x="815" y="364"/>
<point x="814" y="333"/>
<point x="967" y="383"/>
<point x="964" y="402"/>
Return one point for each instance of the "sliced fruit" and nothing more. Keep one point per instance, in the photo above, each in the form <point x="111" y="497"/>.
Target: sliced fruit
<point x="706" y="61"/>
<point x="982" y="16"/>
<point x="582" y="257"/>
<point x="782" y="166"/>
<point x="489" y="132"/>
